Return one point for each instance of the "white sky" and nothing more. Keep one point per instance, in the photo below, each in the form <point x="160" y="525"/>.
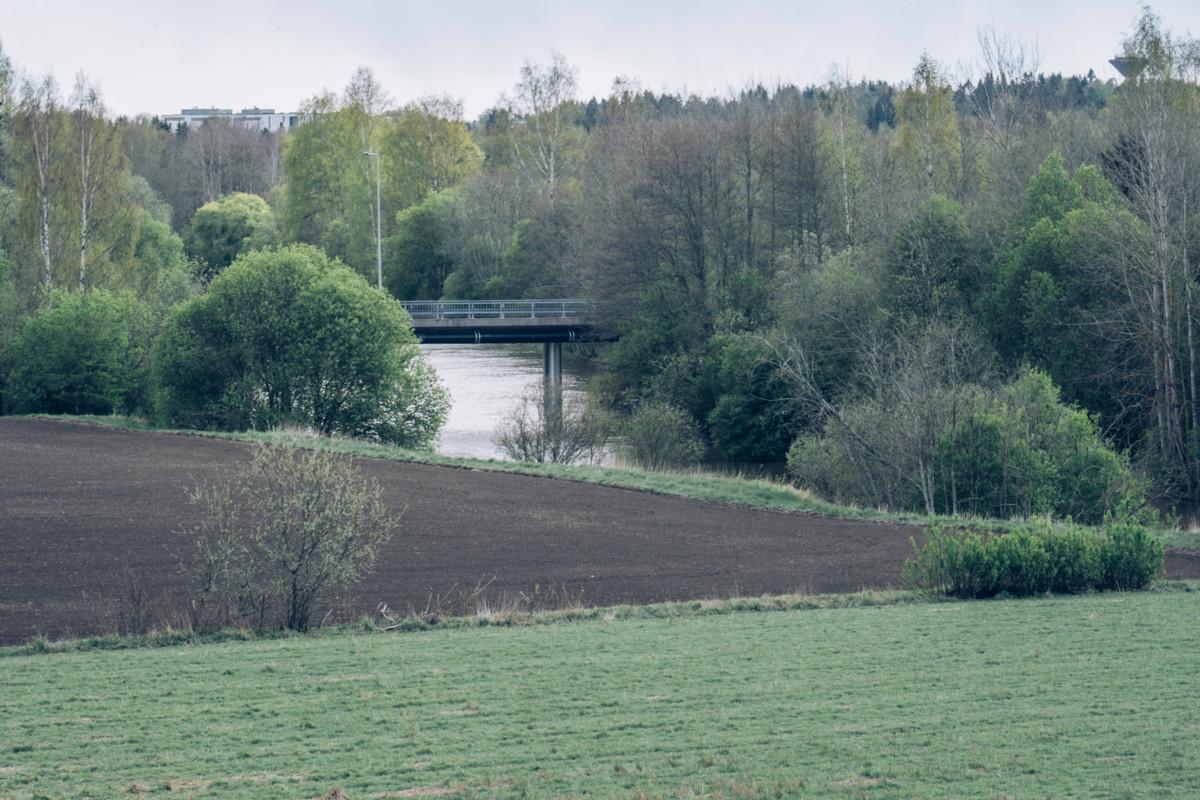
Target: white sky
<point x="158" y="56"/>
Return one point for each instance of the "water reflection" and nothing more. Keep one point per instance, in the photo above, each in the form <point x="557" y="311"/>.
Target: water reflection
<point x="486" y="382"/>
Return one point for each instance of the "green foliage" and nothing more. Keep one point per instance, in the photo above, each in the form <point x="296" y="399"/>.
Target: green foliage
<point x="1051" y="193"/>
<point x="416" y="262"/>
<point x="748" y="422"/>
<point x="928" y="143"/>
<point x="288" y="336"/>
<point x="428" y="149"/>
<point x="84" y="353"/>
<point x="1034" y="559"/>
<point x="278" y="536"/>
<point x="659" y="436"/>
<point x="1016" y="451"/>
<point x="220" y="231"/>
<point x="932" y="268"/>
<point x="661" y="329"/>
<point x="1023" y="452"/>
<point x="1132" y="556"/>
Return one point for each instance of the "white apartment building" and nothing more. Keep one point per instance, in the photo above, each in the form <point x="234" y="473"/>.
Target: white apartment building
<point x="255" y="119"/>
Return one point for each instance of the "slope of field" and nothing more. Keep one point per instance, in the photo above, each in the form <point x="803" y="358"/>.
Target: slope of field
<point x="87" y="510"/>
<point x="81" y="503"/>
<point x="1086" y="697"/>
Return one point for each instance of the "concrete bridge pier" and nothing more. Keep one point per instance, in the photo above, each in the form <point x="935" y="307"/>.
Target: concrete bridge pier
<point x="552" y="363"/>
<point x="552" y="381"/>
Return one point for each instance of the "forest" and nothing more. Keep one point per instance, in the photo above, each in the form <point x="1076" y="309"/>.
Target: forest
<point x="959" y="293"/>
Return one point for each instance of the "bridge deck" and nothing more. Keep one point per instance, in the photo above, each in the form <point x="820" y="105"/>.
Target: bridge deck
<point x="504" y="321"/>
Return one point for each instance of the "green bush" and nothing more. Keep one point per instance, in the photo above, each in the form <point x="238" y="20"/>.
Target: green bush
<point x="1131" y="557"/>
<point x="954" y="563"/>
<point x="287" y="336"/>
<point x="1034" y="559"/>
<point x="84" y="353"/>
<point x="222" y="230"/>
<point x="661" y="436"/>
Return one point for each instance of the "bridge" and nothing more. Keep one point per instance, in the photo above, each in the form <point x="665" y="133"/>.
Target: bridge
<point x="548" y="322"/>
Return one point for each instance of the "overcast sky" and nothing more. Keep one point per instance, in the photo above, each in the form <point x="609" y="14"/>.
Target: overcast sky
<point x="158" y="56"/>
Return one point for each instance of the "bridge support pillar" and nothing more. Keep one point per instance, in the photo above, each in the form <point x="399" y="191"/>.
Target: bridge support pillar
<point x="552" y="382"/>
<point x="552" y="364"/>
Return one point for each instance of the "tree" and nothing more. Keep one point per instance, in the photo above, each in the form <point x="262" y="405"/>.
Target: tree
<point x="929" y="142"/>
<point x="932" y="273"/>
<point x="84" y="353"/>
<point x="279" y="536"/>
<point x="221" y="230"/>
<point x="541" y="430"/>
<point x="416" y="261"/>
<point x="40" y="129"/>
<point x="880" y="446"/>
<point x="541" y="115"/>
<point x="98" y="170"/>
<point x="749" y="420"/>
<point x="1153" y="163"/>
<point x="428" y="149"/>
<point x="288" y="336"/>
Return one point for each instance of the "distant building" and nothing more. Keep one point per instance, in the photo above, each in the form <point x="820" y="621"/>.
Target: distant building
<point x="255" y="119"/>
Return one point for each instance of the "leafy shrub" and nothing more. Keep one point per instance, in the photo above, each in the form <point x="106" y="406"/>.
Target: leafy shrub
<point x="955" y="563"/>
<point x="542" y="430"/>
<point x="222" y="230"/>
<point x="287" y="336"/>
<point x="1131" y="557"/>
<point x="82" y="354"/>
<point x="660" y="436"/>
<point x="1017" y="450"/>
<point x="1034" y="559"/>
<point x="279" y="536"/>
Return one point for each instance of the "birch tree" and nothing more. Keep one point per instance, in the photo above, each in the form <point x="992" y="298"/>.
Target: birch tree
<point x="96" y="166"/>
<point x="1154" y="164"/>
<point x="541" y="113"/>
<point x="39" y="131"/>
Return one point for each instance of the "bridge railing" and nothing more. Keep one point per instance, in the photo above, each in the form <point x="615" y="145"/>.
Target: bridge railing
<point x="499" y="309"/>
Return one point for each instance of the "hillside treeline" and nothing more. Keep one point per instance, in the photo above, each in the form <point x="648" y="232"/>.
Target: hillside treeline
<point x="952" y="294"/>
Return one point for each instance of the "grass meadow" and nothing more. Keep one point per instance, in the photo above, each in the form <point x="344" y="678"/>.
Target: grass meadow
<point x="1089" y="697"/>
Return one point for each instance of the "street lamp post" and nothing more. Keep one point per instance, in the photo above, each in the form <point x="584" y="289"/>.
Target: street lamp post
<point x="378" y="221"/>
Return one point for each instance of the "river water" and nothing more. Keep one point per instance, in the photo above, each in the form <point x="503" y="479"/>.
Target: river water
<point x="486" y="382"/>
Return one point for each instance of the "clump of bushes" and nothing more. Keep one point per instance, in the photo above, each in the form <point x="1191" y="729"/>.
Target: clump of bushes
<point x="1011" y="451"/>
<point x="1034" y="559"/>
<point x="661" y="436"/>
<point x="290" y="337"/>
<point x="84" y="353"/>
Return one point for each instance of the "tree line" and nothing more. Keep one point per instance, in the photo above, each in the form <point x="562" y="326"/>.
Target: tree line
<point x="960" y="294"/>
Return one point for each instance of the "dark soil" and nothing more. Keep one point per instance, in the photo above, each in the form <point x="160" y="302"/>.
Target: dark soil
<point x="88" y="511"/>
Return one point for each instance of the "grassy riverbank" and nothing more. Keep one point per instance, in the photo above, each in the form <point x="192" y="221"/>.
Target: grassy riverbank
<point x="1066" y="697"/>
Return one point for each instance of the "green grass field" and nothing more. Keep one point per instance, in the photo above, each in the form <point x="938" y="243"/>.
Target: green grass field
<point x="1088" y="697"/>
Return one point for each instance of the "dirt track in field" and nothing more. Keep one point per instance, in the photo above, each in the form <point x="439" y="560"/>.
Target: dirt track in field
<point x="83" y="506"/>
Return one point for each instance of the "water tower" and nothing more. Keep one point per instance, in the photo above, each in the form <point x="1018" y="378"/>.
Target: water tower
<point x="1128" y="66"/>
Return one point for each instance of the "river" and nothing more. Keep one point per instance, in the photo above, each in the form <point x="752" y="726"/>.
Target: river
<point x="486" y="382"/>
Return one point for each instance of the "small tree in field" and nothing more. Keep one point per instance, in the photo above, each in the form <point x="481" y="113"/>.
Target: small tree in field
<point x="283" y="532"/>
<point x="546" y="430"/>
